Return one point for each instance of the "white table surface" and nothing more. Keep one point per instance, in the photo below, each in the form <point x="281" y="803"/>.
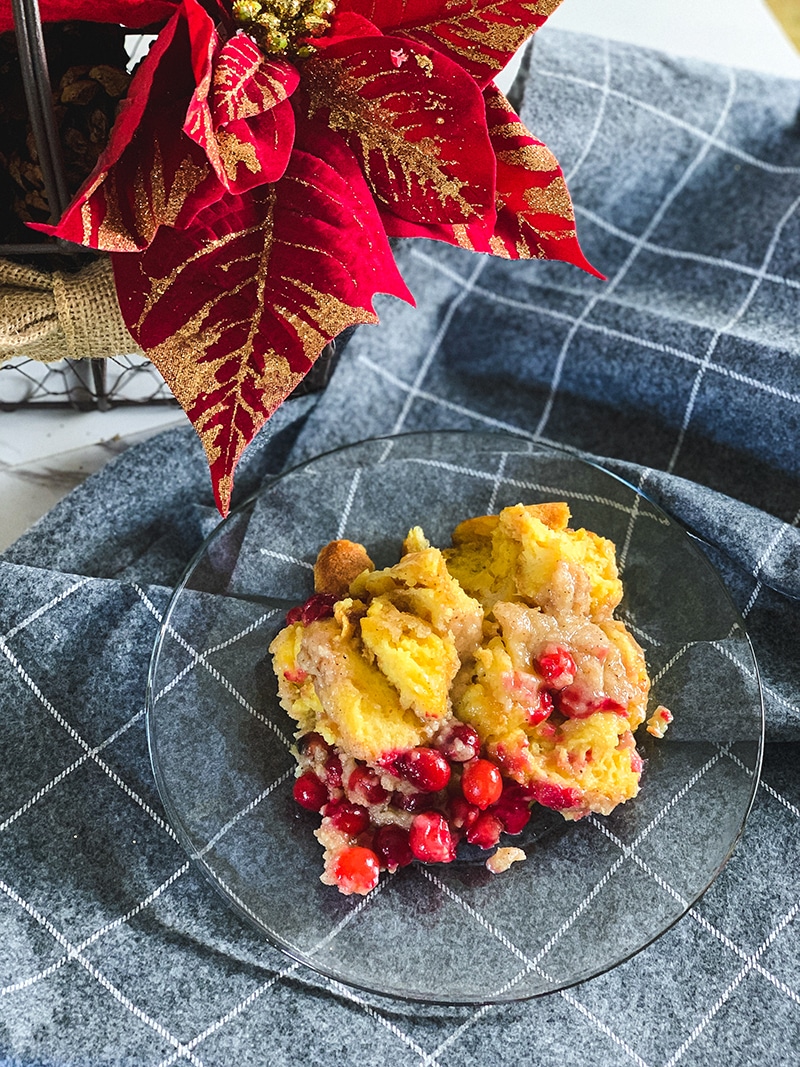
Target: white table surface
<point x="44" y="454"/>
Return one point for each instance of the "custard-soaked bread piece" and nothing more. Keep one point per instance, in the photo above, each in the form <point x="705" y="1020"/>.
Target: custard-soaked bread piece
<point x="376" y="678"/>
<point x="346" y="699"/>
<point x="421" y="584"/>
<point x="360" y="710"/>
<point x="530" y="552"/>
<point x="407" y="650"/>
<point x="554" y="657"/>
<point x="328" y="685"/>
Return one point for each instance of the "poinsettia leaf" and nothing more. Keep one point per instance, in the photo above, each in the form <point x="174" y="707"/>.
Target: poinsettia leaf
<point x="235" y="309"/>
<point x="247" y="83"/>
<point x="151" y="174"/>
<point x="415" y="121"/>
<point x="480" y="35"/>
<point x="345" y="25"/>
<point x="251" y="152"/>
<point x="240" y="113"/>
<point x="133" y="13"/>
<point x="535" y="218"/>
<point x="203" y="40"/>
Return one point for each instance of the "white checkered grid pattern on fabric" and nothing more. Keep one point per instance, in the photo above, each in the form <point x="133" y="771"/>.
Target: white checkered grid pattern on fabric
<point x="741" y="940"/>
<point x="590" y="298"/>
<point x="626" y="851"/>
<point x="186" y="1046"/>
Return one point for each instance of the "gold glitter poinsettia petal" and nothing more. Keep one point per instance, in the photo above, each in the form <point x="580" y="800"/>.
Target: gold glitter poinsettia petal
<point x="480" y="35"/>
<point x="246" y="83"/>
<point x="150" y="174"/>
<point x="240" y="113"/>
<point x="415" y="121"/>
<point x="534" y="217"/>
<point x="235" y="309"/>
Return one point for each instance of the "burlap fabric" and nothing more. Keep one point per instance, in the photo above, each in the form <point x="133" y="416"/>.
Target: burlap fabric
<point x="48" y="316"/>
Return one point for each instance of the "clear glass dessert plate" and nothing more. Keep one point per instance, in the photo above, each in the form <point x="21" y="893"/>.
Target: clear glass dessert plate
<point x="590" y="893"/>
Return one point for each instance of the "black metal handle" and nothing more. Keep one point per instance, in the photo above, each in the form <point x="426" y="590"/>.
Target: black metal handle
<point x="39" y="96"/>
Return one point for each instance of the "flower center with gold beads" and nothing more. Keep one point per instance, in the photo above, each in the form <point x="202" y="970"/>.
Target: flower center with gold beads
<point x="282" y="27"/>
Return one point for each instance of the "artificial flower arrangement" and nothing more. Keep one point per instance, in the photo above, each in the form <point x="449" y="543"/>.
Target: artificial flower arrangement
<point x="263" y="156"/>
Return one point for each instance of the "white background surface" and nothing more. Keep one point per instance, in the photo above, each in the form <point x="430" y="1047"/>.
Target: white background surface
<point x="737" y="33"/>
<point x="45" y="454"/>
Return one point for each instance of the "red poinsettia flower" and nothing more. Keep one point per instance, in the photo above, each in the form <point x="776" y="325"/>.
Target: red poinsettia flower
<point x="264" y="154"/>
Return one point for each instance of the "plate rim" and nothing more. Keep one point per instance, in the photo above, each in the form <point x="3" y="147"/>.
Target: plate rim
<point x="272" y="937"/>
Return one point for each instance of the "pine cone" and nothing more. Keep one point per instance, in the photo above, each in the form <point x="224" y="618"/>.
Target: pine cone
<point x="87" y="64"/>
<point x="86" y="103"/>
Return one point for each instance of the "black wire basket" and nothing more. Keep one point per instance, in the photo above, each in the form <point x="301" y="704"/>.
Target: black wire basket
<point x="87" y="384"/>
<point x="82" y="385"/>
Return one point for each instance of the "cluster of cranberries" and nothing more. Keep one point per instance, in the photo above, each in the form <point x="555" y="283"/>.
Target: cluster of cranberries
<point x="451" y="791"/>
<point x="558" y="669"/>
<point x="454" y="794"/>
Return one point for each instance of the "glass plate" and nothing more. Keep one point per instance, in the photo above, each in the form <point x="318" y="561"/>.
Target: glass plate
<point x="590" y="893"/>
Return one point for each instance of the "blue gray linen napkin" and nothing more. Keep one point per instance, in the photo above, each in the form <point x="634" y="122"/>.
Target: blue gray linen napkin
<point x="680" y="372"/>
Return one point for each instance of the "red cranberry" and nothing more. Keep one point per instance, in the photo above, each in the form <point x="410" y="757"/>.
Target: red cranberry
<point x="609" y="704"/>
<point x="333" y="771"/>
<point x="430" y="838"/>
<point x="460" y="742"/>
<point x="541" y="710"/>
<point x="424" y="768"/>
<point x="485" y="831"/>
<point x="575" y="702"/>
<point x="413" y="801"/>
<point x="557" y="666"/>
<point x="392" y="847"/>
<point x="367" y="785"/>
<point x="318" y="606"/>
<point x="309" y="791"/>
<point x="462" y="813"/>
<point x="350" y="818"/>
<point x="314" y="746"/>
<point x="481" y="783"/>
<point x="296" y="675"/>
<point x="357" y="870"/>
<point x="526" y="689"/>
<point x="555" y="796"/>
<point x="513" y="809"/>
